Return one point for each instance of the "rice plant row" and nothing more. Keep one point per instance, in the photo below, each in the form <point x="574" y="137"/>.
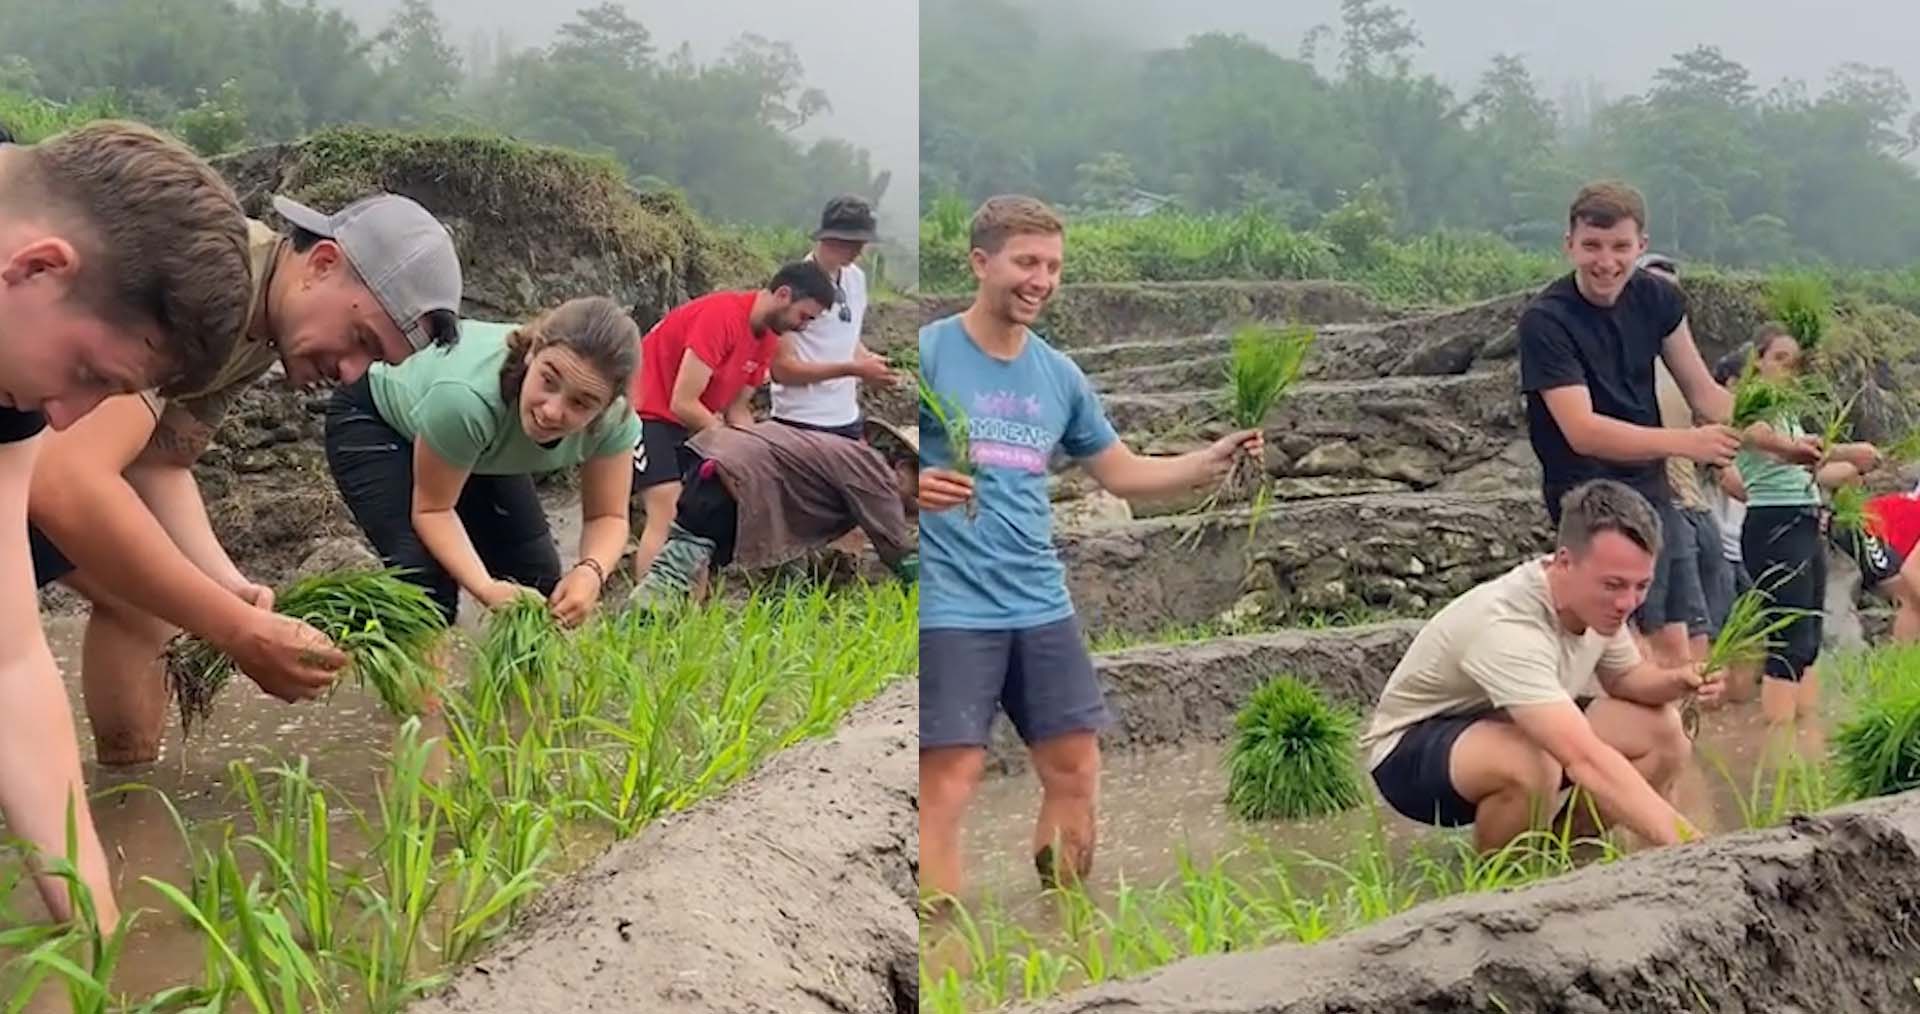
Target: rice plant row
<point x="315" y="899"/>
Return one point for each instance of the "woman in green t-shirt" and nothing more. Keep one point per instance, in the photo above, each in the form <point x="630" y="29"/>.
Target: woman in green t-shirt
<point x="1780" y="540"/>
<point x="436" y="456"/>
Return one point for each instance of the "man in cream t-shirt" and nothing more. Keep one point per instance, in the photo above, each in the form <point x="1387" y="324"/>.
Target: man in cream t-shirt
<point x="1530" y="684"/>
<point x="818" y="370"/>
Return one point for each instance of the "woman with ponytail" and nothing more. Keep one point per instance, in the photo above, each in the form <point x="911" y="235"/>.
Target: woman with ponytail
<point x="435" y="456"/>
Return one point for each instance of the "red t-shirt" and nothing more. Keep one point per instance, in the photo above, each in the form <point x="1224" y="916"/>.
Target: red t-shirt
<point x="1895" y="517"/>
<point x="715" y="328"/>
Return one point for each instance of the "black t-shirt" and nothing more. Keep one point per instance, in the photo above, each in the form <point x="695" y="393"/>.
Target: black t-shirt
<point x="16" y="425"/>
<point x="1566" y="340"/>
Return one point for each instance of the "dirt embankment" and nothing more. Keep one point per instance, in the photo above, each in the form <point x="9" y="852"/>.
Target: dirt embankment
<point x="1163" y="695"/>
<point x="1815" y="918"/>
<point x="792" y="893"/>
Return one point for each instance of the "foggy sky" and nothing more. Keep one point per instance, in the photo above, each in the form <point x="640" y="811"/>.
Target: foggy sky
<point x="1618" y="44"/>
<point x="865" y="56"/>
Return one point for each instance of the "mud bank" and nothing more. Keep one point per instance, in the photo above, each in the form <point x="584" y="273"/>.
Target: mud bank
<point x="1169" y="694"/>
<point x="791" y="893"/>
<point x="1408" y="552"/>
<point x="1819" y="916"/>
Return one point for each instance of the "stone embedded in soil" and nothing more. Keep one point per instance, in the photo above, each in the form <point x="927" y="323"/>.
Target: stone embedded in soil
<point x="793" y="892"/>
<point x="1815" y="916"/>
<point x="1163" y="695"/>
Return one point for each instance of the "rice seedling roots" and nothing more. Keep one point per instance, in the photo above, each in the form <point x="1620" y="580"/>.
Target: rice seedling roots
<point x="791" y="892"/>
<point x="1763" y="921"/>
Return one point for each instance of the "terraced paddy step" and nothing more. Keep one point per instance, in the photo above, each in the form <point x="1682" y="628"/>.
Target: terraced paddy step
<point x="1398" y="551"/>
<point x="1169" y="694"/>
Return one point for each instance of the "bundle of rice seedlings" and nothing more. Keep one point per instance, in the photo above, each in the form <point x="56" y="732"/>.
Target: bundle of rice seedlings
<point x="386" y="626"/>
<point x="1804" y="304"/>
<point x="1293" y="755"/>
<point x="1266" y="361"/>
<point x="1836" y="424"/>
<point x="954" y="425"/>
<point x="1757" y="399"/>
<point x="520" y="646"/>
<point x="1877" y="751"/>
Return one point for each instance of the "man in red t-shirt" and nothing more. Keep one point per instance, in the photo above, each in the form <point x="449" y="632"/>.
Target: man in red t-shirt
<point x="698" y="369"/>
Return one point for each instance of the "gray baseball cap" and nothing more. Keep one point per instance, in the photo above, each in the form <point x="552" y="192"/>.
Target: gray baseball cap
<point x="401" y="251"/>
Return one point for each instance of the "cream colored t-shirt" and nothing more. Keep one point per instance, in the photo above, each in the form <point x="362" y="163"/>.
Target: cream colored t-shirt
<point x="1675" y="413"/>
<point x="1498" y="646"/>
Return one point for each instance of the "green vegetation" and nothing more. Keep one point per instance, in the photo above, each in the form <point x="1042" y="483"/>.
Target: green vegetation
<point x="1236" y="903"/>
<point x="34" y="119"/>
<point x="307" y="902"/>
<point x="1876" y="752"/>
<point x="1292" y="755"/>
<point x="1447" y="267"/>
<point x="1342" y="138"/>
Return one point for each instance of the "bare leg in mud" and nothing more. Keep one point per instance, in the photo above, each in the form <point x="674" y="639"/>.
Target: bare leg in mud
<point x="1063" y="837"/>
<point x="122" y="676"/>
<point x="949" y="776"/>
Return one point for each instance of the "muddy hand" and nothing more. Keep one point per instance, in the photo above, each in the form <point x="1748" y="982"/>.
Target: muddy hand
<point x="941" y="489"/>
<point x="287" y="658"/>
<point x="574" y="597"/>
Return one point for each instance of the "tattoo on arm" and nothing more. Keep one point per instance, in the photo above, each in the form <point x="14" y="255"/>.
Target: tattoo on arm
<point x="178" y="439"/>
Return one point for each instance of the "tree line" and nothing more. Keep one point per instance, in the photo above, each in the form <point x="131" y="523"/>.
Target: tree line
<point x="1734" y="174"/>
<point x="223" y="74"/>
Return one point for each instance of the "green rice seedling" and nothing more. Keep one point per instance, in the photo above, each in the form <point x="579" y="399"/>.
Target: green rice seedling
<point x="1802" y="302"/>
<point x="1849" y="509"/>
<point x="1877" y="751"/>
<point x="1751" y="623"/>
<point x="1757" y="399"/>
<point x="954" y="425"/>
<point x="1292" y="755"/>
<point x="79" y="954"/>
<point x="1836" y="424"/>
<point x="521" y="653"/>
<point x="1904" y="449"/>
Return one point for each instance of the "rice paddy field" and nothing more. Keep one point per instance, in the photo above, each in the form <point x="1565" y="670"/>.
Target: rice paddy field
<point x="351" y="854"/>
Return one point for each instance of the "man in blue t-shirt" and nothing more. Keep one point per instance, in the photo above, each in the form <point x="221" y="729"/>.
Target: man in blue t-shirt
<point x="997" y="628"/>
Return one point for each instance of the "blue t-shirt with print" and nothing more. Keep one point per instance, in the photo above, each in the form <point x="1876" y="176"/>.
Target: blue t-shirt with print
<point x="999" y="570"/>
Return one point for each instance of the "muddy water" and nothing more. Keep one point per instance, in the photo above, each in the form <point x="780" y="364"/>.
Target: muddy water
<point x="1156" y="806"/>
<point x="345" y="739"/>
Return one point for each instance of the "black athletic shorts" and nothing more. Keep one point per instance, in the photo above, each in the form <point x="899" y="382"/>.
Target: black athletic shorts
<point x="661" y="455"/>
<point x="1416" y="778"/>
<point x="1878" y="561"/>
<point x="855" y="430"/>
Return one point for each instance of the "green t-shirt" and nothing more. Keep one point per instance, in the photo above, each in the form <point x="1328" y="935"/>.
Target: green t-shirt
<point x="451" y="396"/>
<point x="1772" y="482"/>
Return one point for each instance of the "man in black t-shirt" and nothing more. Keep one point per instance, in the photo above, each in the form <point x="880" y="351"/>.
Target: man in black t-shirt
<point x="1587" y="346"/>
<point x="1588" y="343"/>
<point x="108" y="235"/>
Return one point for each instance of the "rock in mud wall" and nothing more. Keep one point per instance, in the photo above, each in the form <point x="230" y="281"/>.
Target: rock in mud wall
<point x="1818" y="917"/>
<point x="1408" y="552"/>
<point x="1163" y="695"/>
<point x="791" y="893"/>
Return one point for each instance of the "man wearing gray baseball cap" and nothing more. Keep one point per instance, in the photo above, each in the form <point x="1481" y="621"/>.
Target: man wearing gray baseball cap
<point x="118" y="516"/>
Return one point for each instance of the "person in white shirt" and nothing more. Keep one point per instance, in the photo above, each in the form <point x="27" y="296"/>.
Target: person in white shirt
<point x="818" y="369"/>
